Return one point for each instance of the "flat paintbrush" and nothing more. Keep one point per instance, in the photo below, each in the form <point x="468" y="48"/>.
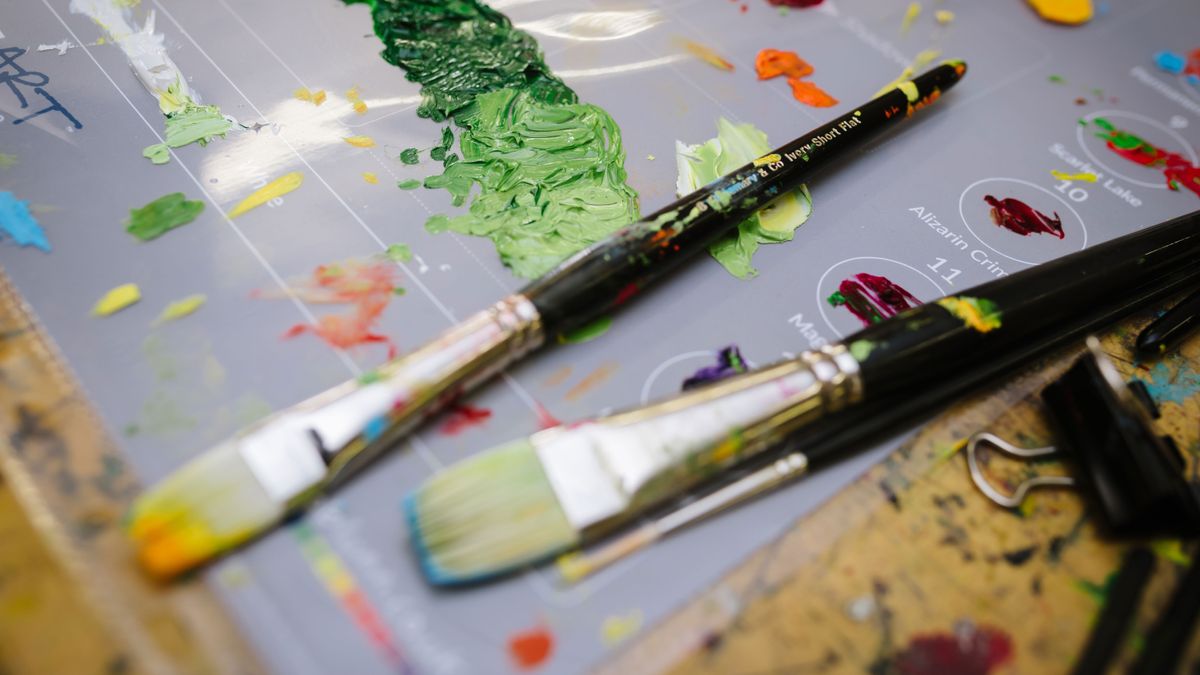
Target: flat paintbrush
<point x="570" y="485"/>
<point x="239" y="489"/>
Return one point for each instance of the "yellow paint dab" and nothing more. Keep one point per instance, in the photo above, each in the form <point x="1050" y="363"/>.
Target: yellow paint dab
<point x="944" y="16"/>
<point x="615" y="629"/>
<point x="370" y="178"/>
<point x="1070" y="12"/>
<point x="117" y="299"/>
<point x="905" y="75"/>
<point x="276" y="188"/>
<point x="1086" y="177"/>
<point x="910" y="15"/>
<point x="314" y="97"/>
<point x="910" y="90"/>
<point x="355" y="98"/>
<point x="360" y="141"/>
<point x="924" y="58"/>
<point x="181" y="308"/>
<point x="978" y="314"/>
<point x="767" y="159"/>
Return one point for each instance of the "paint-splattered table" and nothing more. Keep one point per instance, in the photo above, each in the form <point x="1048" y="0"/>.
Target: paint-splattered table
<point x="911" y="570"/>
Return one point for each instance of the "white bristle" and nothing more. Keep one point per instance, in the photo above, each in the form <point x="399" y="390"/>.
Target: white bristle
<point x="487" y="515"/>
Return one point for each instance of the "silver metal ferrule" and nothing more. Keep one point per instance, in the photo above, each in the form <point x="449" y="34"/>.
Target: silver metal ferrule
<point x="322" y="440"/>
<point x="606" y="470"/>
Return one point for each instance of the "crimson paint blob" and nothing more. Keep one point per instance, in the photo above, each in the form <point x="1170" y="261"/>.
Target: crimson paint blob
<point x="872" y="298"/>
<point x="463" y="416"/>
<point x="1015" y="215"/>
<point x="975" y="653"/>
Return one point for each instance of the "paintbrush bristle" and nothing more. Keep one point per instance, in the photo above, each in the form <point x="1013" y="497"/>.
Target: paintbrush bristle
<point x="487" y="515"/>
<point x="208" y="506"/>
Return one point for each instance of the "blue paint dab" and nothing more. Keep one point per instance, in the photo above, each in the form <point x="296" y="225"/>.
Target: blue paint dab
<point x="1175" y="386"/>
<point x="1170" y="61"/>
<point x="375" y="428"/>
<point x="19" y="224"/>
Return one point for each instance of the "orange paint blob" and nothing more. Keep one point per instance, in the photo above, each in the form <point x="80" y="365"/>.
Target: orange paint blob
<point x="775" y="62"/>
<point x="810" y="94"/>
<point x="530" y="649"/>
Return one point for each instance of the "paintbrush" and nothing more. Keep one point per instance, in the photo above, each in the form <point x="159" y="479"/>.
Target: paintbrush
<point x="569" y="485"/>
<point x="237" y="490"/>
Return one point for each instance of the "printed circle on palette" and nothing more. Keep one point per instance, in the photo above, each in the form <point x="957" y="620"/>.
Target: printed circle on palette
<point x="1021" y="221"/>
<point x="860" y="291"/>
<point x="668" y="377"/>
<point x="1131" y="126"/>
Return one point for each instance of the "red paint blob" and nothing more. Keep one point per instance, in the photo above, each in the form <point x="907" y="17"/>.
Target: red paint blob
<point x="872" y="298"/>
<point x="1177" y="169"/>
<point x="1015" y="215"/>
<point x="744" y="8"/>
<point x="530" y="649"/>
<point x="973" y="653"/>
<point x="463" y="416"/>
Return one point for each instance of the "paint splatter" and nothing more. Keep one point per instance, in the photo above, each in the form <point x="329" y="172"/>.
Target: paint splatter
<point x="1170" y="62"/>
<point x="910" y="15"/>
<point x="188" y="123"/>
<point x="1016" y="216"/>
<point x="370" y="177"/>
<point x="314" y="97"/>
<point x="463" y="417"/>
<point x="979" y="314"/>
<point x="1085" y="177"/>
<point x="1177" y="169"/>
<point x="162" y="215"/>
<point x="19" y="225"/>
<point x="729" y="363"/>
<point x="360" y="141"/>
<point x="181" y="308"/>
<point x="474" y="67"/>
<point x="1069" y="12"/>
<point x="591" y="381"/>
<point x="967" y="651"/>
<point x="872" y="298"/>
<point x="368" y="286"/>
<point x="616" y="629"/>
<point x="355" y="97"/>
<point x="1171" y="385"/>
<point x="117" y="299"/>
<point x="810" y="94"/>
<point x="530" y="649"/>
<point x="275" y="189"/>
<point x="776" y="62"/>
<point x="705" y="54"/>
<point x="734" y="146"/>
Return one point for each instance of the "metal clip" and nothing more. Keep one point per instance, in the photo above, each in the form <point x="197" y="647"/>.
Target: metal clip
<point x="1014" y="500"/>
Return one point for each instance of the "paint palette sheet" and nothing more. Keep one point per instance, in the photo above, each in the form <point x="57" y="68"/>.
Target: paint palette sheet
<point x="1058" y="138"/>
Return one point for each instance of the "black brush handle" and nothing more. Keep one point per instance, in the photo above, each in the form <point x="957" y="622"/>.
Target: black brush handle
<point x="605" y="275"/>
<point x="923" y="347"/>
<point x="1171" y="328"/>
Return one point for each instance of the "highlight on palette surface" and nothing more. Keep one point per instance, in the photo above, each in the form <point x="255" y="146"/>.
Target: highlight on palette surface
<point x="1018" y="217"/>
<point x="872" y="298"/>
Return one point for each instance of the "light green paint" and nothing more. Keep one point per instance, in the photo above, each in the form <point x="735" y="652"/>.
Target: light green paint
<point x="189" y="123"/>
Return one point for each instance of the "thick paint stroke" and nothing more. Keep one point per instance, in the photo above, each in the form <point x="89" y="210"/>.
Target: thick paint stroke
<point x="872" y="298"/>
<point x="1016" y="216"/>
<point x="550" y="169"/>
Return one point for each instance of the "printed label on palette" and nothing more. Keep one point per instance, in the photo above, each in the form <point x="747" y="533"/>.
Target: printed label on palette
<point x="858" y="292"/>
<point x="1133" y="149"/>
<point x="1021" y="221"/>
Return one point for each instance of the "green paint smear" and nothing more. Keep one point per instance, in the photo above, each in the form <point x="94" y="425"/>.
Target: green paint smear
<point x="162" y="215"/>
<point x="588" y="332"/>
<point x="735" y="146"/>
<point x="550" y="170"/>
<point x="190" y="123"/>
<point x="410" y="184"/>
<point x="552" y="179"/>
<point x="410" y="156"/>
<point x="399" y="253"/>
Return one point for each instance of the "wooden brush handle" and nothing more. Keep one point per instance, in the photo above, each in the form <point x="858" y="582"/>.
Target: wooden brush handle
<point x="607" y="274"/>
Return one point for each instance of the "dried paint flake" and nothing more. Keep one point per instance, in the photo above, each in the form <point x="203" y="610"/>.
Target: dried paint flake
<point x="530" y="649"/>
<point x="705" y="54"/>
<point x="162" y="215"/>
<point x="19" y="225"/>
<point x="360" y="141"/>
<point x="370" y="177"/>
<point x="616" y="629"/>
<point x="181" y="308"/>
<point x="910" y="15"/>
<point x="273" y="190"/>
<point x="368" y="286"/>
<point x="314" y="97"/>
<point x="117" y="299"/>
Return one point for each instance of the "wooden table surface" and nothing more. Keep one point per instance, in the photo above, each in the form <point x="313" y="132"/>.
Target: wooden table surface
<point x="904" y="569"/>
